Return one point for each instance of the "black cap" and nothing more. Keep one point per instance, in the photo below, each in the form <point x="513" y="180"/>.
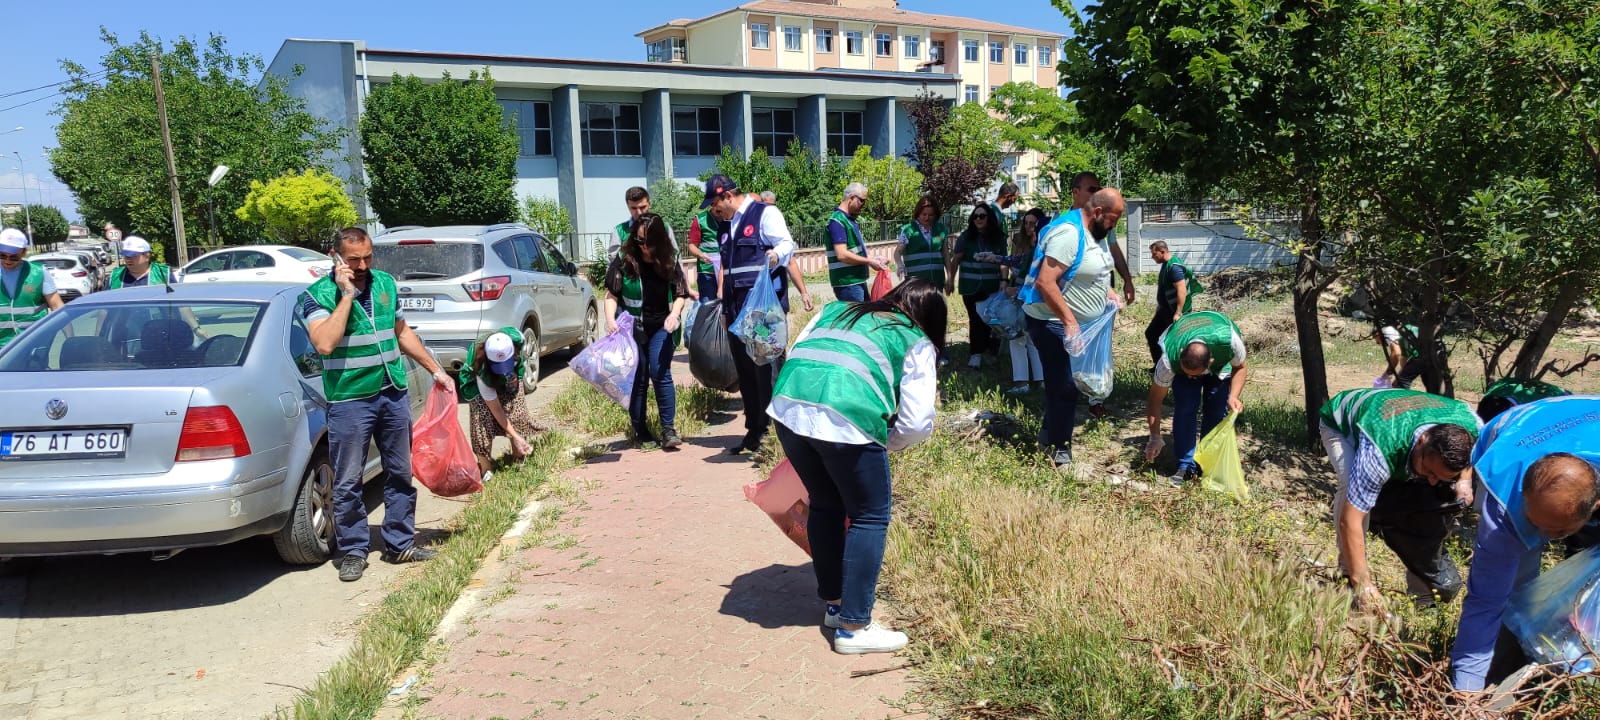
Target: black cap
<point x="716" y="187"/>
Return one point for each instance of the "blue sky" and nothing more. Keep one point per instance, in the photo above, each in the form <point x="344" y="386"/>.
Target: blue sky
<point x="36" y="40"/>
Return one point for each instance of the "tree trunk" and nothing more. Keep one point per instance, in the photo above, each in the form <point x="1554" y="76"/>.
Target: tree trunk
<point x="1308" y="285"/>
<point x="1531" y="356"/>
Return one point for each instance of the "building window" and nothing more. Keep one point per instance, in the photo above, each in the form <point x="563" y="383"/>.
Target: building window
<point x="791" y="38"/>
<point x="531" y="121"/>
<point x="844" y="132"/>
<point x="1022" y="184"/>
<point x="772" y="129"/>
<point x="913" y="46"/>
<point x="1046" y="56"/>
<point x="993" y="89"/>
<point x="696" y="130"/>
<point x="885" y="44"/>
<point x="969" y="50"/>
<point x="853" y="43"/>
<point x="971" y="94"/>
<point x="824" y="40"/>
<point x="667" y="50"/>
<point x="936" y="52"/>
<point x="1022" y="53"/>
<point x="759" y="36"/>
<point x="609" y="129"/>
<point x="997" y="53"/>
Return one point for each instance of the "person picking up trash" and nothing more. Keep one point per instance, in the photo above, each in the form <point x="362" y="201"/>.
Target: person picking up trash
<point x="1203" y="363"/>
<point x="491" y="384"/>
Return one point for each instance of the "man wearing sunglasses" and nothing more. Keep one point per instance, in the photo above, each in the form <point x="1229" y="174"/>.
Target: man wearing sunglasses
<point x="27" y="292"/>
<point x="1538" y="464"/>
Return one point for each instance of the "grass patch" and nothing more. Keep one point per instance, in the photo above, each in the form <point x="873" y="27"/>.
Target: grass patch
<point x="594" y="414"/>
<point x="394" y="636"/>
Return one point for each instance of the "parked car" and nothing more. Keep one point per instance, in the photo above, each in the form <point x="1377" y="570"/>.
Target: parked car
<point x="276" y="263"/>
<point x="98" y="277"/>
<point x="457" y="283"/>
<point x="120" y="433"/>
<point x="73" y="279"/>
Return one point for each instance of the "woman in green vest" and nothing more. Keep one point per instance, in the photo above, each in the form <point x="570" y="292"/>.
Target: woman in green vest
<point x="1507" y="393"/>
<point x="922" y="251"/>
<point x="491" y="383"/>
<point x="646" y="281"/>
<point x="975" y="278"/>
<point x="860" y="382"/>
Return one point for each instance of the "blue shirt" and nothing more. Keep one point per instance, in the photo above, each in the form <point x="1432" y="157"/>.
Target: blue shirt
<point x="13" y="278"/>
<point x="1501" y="562"/>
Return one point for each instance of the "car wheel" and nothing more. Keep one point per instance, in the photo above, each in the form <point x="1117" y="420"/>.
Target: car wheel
<point x="530" y="360"/>
<point x="308" y="537"/>
<point x="591" y="328"/>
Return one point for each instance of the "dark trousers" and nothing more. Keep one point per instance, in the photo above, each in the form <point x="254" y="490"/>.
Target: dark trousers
<point x="655" y="368"/>
<point x="1153" y="332"/>
<point x="1060" y="393"/>
<point x="982" y="338"/>
<point x="851" y="293"/>
<point x="1414" y="519"/>
<point x="755" y="387"/>
<point x="706" y="283"/>
<point x="352" y="424"/>
<point x="1408" y="373"/>
<point x="844" y="482"/>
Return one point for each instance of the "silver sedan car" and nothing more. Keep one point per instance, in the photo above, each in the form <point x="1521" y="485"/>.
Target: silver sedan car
<point x="156" y="419"/>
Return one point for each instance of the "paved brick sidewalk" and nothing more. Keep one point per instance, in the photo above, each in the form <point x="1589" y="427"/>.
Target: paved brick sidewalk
<point x="679" y="600"/>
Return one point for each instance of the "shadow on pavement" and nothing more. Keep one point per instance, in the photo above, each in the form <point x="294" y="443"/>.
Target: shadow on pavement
<point x="775" y="596"/>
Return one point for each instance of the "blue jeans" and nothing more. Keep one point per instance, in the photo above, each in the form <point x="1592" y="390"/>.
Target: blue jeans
<point x="851" y="293"/>
<point x="655" y="367"/>
<point x="707" y="285"/>
<point x="352" y="424"/>
<point x="844" y="481"/>
<point x="1060" y="393"/>
<point x="1207" y="396"/>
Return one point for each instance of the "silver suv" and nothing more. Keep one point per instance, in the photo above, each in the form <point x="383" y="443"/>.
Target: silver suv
<point x="459" y="282"/>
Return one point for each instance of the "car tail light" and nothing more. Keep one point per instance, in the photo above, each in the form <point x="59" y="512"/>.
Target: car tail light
<point x="211" y="433"/>
<point x="415" y="242"/>
<point x="79" y="273"/>
<point x="317" y="271"/>
<point x="489" y="288"/>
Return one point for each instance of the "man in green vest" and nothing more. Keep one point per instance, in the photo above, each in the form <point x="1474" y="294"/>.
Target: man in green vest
<point x="1404" y="463"/>
<point x="137" y="270"/>
<point x="1003" y="200"/>
<point x="847" y="251"/>
<point x="1507" y="393"/>
<point x="1203" y="363"/>
<point x="707" y="254"/>
<point x="27" y="292"/>
<point x="356" y="324"/>
<point x="1405" y="363"/>
<point x="638" y="200"/>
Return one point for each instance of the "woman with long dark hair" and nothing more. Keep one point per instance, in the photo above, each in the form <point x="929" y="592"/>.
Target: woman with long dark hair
<point x="975" y="279"/>
<point x="860" y="382"/>
<point x="646" y="280"/>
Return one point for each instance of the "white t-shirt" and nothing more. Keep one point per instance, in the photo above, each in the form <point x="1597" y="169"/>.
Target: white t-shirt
<point x="1164" y="374"/>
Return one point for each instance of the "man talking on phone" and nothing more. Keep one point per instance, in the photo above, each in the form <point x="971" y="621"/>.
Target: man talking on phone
<point x="356" y="325"/>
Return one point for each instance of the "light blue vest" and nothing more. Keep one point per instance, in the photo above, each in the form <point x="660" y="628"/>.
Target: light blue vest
<point x="1519" y="437"/>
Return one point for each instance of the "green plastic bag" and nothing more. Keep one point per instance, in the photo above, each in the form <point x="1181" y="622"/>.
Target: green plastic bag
<point x="1218" y="457"/>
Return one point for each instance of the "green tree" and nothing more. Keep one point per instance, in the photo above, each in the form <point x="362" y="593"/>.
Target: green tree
<point x="49" y="225"/>
<point x="439" y="153"/>
<point x="752" y="174"/>
<point x="299" y="208"/>
<point x="677" y="203"/>
<point x="545" y="216"/>
<point x="1039" y="119"/>
<point x="220" y="110"/>
<point x="807" y="185"/>
<point x="893" y="187"/>
<point x="957" y="150"/>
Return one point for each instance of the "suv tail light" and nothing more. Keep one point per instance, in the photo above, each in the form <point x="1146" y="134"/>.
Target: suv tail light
<point x="79" y="273"/>
<point x="415" y="242"/>
<point x="211" y="433"/>
<point x="489" y="288"/>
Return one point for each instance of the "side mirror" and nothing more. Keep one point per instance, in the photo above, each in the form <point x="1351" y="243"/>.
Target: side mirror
<point x="572" y="268"/>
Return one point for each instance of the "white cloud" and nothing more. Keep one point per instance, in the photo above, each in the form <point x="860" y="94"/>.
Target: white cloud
<point x="44" y="190"/>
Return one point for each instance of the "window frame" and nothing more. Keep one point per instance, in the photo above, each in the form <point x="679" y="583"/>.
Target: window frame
<point x="1046" y="55"/>
<point x="911" y="46"/>
<point x="797" y="36"/>
<point x="773" y="135"/>
<point x="822" y="38"/>
<point x="883" y="45"/>
<point x="543" y="138"/>
<point x="618" y="134"/>
<point x="970" y="94"/>
<point x="938" y="53"/>
<point x="970" y="51"/>
<point x="859" y="39"/>
<point x="762" y="31"/>
<point x="837" y="128"/>
<point x="700" y="133"/>
<point x="997" y="53"/>
<point x="1019" y="52"/>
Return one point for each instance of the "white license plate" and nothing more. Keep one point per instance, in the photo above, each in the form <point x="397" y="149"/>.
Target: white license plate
<point x="63" y="444"/>
<point x="416" y="303"/>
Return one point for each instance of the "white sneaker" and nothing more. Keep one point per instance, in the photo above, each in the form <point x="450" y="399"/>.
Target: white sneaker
<point x="976" y="362"/>
<point x="873" y="638"/>
<point x="830" y="617"/>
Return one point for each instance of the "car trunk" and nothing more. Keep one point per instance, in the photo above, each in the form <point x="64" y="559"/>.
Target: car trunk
<point x="151" y="416"/>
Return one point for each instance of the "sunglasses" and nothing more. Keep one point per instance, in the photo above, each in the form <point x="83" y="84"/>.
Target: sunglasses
<point x="980" y="217"/>
<point x="9" y="257"/>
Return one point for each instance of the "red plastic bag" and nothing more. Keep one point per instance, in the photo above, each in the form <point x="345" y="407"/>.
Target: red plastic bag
<point x="881" y="285"/>
<point x="441" y="456"/>
<point x="784" y="499"/>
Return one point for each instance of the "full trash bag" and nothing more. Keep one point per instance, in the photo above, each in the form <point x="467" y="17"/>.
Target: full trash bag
<point x="609" y="364"/>
<point x="881" y="285"/>
<point x="689" y="317"/>
<point x="1091" y="365"/>
<point x="1003" y="314"/>
<point x="1218" y="458"/>
<point x="441" y="456"/>
<point x="784" y="499"/>
<point x="1557" y="616"/>
<point x="710" y="357"/>
<point x="762" y="324"/>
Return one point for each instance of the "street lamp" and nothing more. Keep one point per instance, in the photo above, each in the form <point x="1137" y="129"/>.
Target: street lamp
<point x="217" y="174"/>
<point x="18" y="128"/>
<point x="27" y="215"/>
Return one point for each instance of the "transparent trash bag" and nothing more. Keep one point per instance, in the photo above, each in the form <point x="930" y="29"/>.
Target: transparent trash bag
<point x="762" y="325"/>
<point x="1092" y="366"/>
<point x="441" y="455"/>
<point x="1003" y="314"/>
<point x="1218" y="458"/>
<point x="1557" y="616"/>
<point x="610" y="363"/>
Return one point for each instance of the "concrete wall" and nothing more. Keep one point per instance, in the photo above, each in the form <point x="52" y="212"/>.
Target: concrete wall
<point x="1205" y="246"/>
<point x="328" y="82"/>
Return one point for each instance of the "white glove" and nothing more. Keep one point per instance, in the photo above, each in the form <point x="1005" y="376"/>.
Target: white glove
<point x="1074" y="343"/>
<point x="1152" y="449"/>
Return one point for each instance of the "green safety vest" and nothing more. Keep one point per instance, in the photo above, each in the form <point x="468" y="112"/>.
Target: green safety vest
<point x="998" y="218"/>
<point x="842" y="274"/>
<point x="1522" y="392"/>
<point x="159" y="274"/>
<point x="977" y="278"/>
<point x="1169" y="288"/>
<point x="27" y="307"/>
<point x="708" y="242"/>
<point x="853" y="370"/>
<point x="623" y="228"/>
<point x="467" y="380"/>
<point x="1391" y="419"/>
<point x="369" y="351"/>
<point x="633" y="301"/>
<point x="1210" y="327"/>
<point x="924" y="255"/>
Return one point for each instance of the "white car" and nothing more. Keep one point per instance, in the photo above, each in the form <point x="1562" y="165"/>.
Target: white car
<point x="276" y="263"/>
<point x="72" y="278"/>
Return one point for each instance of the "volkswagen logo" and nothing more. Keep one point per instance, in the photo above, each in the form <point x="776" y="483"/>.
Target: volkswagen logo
<point x="55" y="409"/>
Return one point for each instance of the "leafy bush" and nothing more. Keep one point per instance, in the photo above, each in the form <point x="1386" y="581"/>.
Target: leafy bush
<point x="302" y="209"/>
<point x="545" y="216"/>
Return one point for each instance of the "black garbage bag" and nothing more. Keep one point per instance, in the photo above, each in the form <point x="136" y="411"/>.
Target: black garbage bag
<point x="710" y="358"/>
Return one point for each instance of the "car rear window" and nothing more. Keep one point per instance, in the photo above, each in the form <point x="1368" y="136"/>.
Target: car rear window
<point x="57" y="263"/>
<point x="136" y="336"/>
<point x="428" y="260"/>
<point x="304" y="255"/>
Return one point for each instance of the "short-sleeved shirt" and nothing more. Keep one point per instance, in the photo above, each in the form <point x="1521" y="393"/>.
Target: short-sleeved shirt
<point x="313" y="310"/>
<point x="1085" y="293"/>
<point x="1164" y="374"/>
<point x="1167" y="284"/>
<point x="13" y="278"/>
<point x="128" y="281"/>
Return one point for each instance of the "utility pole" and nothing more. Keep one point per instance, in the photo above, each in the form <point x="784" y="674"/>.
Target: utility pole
<point x="172" y="168"/>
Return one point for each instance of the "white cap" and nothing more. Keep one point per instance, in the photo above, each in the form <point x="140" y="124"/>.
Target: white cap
<point x="134" y="245"/>
<point x="499" y="351"/>
<point x="13" y="240"/>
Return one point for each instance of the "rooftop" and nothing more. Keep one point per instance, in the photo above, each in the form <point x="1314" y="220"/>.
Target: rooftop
<point x="887" y="16"/>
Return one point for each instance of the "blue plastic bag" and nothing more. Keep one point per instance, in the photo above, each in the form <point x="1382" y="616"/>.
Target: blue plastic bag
<point x="1557" y="616"/>
<point x="1091" y="365"/>
<point x="762" y="325"/>
<point x="610" y="363"/>
<point x="1003" y="314"/>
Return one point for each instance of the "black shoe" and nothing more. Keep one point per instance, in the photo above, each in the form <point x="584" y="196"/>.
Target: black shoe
<point x="750" y="443"/>
<point x="670" y="439"/>
<point x="414" y="553"/>
<point x="642" y="436"/>
<point x="351" y="567"/>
